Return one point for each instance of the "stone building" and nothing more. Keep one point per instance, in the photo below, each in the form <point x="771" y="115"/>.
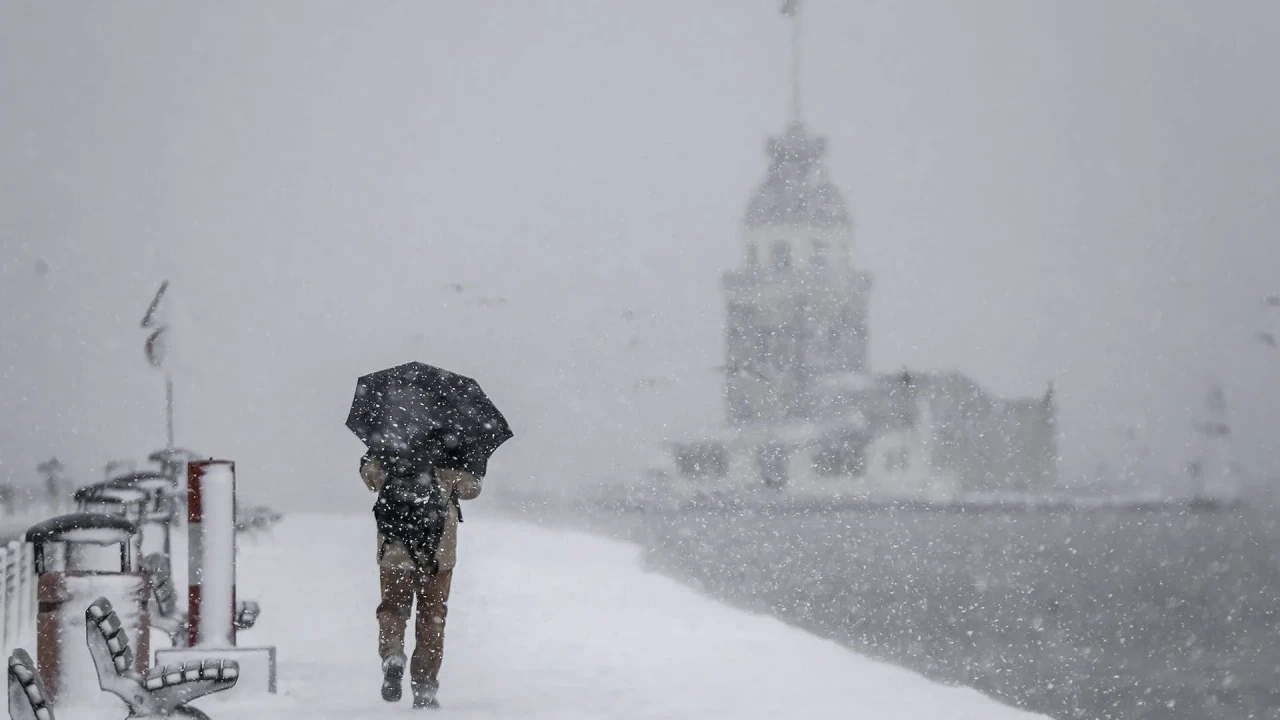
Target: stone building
<point x="805" y="416"/>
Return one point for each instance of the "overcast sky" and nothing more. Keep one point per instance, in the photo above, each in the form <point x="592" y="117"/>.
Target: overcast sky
<point x="1084" y="192"/>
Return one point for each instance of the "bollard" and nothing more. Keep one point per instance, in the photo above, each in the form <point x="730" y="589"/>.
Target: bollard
<point x="79" y="557"/>
<point x="156" y="514"/>
<point x="211" y="553"/>
<point x="212" y="614"/>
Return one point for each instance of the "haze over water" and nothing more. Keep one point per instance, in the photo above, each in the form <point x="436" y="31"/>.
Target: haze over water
<point x="1082" y="193"/>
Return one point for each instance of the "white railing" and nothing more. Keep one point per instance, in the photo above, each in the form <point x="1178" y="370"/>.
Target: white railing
<point x="18" y="604"/>
<point x="17" y="596"/>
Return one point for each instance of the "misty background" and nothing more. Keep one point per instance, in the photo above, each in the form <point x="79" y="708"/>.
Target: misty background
<point x="1083" y="193"/>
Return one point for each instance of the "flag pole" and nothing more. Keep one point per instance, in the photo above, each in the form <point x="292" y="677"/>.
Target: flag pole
<point x="168" y="401"/>
<point x="155" y="349"/>
<point x="791" y="8"/>
<point x="796" y="61"/>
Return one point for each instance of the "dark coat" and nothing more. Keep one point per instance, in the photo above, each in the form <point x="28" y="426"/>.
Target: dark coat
<point x="419" y="510"/>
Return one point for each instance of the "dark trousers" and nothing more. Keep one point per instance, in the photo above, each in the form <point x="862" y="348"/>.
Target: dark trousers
<point x="399" y="587"/>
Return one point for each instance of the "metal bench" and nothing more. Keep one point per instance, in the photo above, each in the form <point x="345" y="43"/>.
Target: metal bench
<point x="164" y="691"/>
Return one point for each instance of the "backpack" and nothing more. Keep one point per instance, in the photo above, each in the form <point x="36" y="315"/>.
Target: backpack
<point x="413" y="510"/>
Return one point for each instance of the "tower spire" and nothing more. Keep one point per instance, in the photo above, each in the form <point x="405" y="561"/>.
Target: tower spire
<point x="791" y="8"/>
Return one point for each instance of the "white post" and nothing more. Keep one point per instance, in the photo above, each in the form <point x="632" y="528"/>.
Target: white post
<point x="211" y="557"/>
<point x="211" y="571"/>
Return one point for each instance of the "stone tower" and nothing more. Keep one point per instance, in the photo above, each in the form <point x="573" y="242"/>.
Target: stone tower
<point x="796" y="308"/>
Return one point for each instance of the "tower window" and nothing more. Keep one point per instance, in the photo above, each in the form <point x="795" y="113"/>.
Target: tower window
<point x="781" y="256"/>
<point x="702" y="460"/>
<point x="833" y="338"/>
<point x="819" y="255"/>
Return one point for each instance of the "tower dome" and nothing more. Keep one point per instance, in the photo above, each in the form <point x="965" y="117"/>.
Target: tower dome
<point x="796" y="190"/>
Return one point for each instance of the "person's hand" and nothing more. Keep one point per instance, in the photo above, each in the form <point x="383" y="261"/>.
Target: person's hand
<point x="372" y="474"/>
<point x="461" y="482"/>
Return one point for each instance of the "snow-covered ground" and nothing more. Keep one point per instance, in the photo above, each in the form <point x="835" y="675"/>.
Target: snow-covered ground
<point x="552" y="624"/>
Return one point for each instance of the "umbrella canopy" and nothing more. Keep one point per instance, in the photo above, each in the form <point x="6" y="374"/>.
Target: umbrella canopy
<point x="425" y="415"/>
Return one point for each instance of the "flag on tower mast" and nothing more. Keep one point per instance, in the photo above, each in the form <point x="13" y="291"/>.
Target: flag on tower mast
<point x="152" y="318"/>
<point x="157" y="322"/>
<point x="157" y="346"/>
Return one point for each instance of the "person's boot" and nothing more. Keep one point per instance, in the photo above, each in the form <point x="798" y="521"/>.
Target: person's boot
<point x="424" y="695"/>
<point x="393" y="677"/>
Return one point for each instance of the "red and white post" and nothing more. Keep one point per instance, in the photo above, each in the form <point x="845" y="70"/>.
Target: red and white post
<point x="211" y="573"/>
<point x="211" y="553"/>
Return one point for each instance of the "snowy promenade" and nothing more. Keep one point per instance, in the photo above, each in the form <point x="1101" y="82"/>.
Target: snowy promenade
<point x="555" y="625"/>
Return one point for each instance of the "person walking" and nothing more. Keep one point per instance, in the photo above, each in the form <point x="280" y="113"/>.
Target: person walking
<point x="429" y="434"/>
<point x="417" y="513"/>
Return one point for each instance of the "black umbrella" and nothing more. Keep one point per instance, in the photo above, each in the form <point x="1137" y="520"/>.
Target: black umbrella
<point x="424" y="415"/>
